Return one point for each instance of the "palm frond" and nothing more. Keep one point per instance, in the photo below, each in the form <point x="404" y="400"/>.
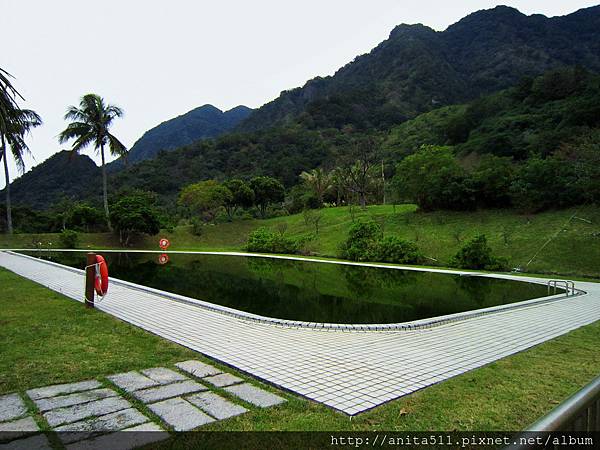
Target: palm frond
<point x="74" y="130"/>
<point x="116" y="147"/>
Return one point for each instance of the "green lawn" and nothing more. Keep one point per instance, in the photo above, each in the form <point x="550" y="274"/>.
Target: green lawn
<point x="574" y="251"/>
<point x="46" y="338"/>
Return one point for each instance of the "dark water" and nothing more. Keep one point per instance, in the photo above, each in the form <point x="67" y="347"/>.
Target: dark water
<point x="309" y="291"/>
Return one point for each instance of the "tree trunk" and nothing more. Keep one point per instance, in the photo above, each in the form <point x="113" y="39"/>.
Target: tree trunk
<point x="9" y="225"/>
<point x="105" y="189"/>
<point x="363" y="201"/>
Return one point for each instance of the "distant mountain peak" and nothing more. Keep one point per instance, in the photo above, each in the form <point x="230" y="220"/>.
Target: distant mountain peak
<point x="204" y="122"/>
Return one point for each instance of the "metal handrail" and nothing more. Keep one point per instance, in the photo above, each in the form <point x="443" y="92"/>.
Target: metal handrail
<point x="568" y="285"/>
<point x="580" y="412"/>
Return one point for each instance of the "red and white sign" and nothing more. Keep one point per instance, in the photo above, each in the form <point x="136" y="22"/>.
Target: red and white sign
<point x="163" y="258"/>
<point x="164" y="243"/>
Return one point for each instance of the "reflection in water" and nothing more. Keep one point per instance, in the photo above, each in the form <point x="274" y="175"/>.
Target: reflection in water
<point x="310" y="291"/>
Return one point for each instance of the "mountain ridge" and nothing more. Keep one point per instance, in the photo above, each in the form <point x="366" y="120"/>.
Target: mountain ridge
<point x="417" y="68"/>
<point x="204" y="122"/>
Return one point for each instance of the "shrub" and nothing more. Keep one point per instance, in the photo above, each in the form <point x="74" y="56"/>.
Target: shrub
<point x="197" y="226"/>
<point x="477" y="254"/>
<point x="265" y="240"/>
<point x="68" y="239"/>
<point x="395" y="250"/>
<point x="362" y="241"/>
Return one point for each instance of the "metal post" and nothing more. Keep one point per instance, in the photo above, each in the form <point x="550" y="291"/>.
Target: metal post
<point x="90" y="275"/>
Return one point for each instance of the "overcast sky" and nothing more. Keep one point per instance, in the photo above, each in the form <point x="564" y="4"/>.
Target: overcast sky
<point x="159" y="59"/>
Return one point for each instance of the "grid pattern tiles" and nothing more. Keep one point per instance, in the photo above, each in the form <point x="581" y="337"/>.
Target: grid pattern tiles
<point x="350" y="371"/>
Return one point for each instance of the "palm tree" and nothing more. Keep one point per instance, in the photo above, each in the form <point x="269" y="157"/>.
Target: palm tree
<point x="89" y="125"/>
<point x="15" y="123"/>
<point x="319" y="181"/>
<point x="21" y="122"/>
<point x="8" y="104"/>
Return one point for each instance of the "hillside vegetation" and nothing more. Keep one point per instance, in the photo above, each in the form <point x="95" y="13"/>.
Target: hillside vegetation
<point x="418" y="69"/>
<point x="573" y="251"/>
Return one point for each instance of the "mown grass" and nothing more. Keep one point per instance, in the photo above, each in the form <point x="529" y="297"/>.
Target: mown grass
<point x="46" y="338"/>
<point x="574" y="251"/>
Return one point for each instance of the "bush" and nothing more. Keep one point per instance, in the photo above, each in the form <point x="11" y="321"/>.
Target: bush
<point x="68" y="239"/>
<point x="197" y="226"/>
<point x="362" y="242"/>
<point x="365" y="243"/>
<point x="267" y="241"/>
<point x="477" y="254"/>
<point x="395" y="250"/>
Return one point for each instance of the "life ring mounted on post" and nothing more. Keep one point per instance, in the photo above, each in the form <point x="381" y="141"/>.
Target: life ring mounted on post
<point x="101" y="278"/>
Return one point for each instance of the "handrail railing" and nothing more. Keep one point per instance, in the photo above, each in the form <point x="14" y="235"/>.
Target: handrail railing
<point x="553" y="286"/>
<point x="580" y="412"/>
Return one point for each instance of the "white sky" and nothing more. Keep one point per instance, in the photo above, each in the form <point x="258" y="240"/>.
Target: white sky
<point x="160" y="59"/>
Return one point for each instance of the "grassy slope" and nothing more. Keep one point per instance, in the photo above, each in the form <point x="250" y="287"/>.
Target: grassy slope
<point x="46" y="338"/>
<point x="574" y="252"/>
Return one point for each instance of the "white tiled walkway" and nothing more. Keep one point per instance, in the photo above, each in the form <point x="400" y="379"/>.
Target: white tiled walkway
<point x="349" y="371"/>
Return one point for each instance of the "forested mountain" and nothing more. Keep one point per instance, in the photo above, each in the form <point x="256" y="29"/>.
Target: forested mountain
<point x="200" y="123"/>
<point x="535" y="118"/>
<point x="418" y="69"/>
<point x="64" y="174"/>
<point x="418" y="87"/>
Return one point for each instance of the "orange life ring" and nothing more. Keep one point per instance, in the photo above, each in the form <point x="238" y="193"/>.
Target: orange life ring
<point x="101" y="281"/>
<point x="164" y="243"/>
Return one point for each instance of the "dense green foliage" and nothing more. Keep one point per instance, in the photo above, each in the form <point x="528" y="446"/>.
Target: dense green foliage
<point x="134" y="214"/>
<point x="533" y="118"/>
<point x="365" y="242"/>
<point x="68" y="239"/>
<point x="267" y="190"/>
<point x="264" y="240"/>
<point x="204" y="198"/>
<point x="477" y="254"/>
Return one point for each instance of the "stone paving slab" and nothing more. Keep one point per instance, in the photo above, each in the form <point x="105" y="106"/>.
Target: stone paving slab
<point x="255" y="395"/>
<point x="102" y="424"/>
<point x="37" y="442"/>
<point x="155" y="394"/>
<point x="19" y="427"/>
<point x="224" y="379"/>
<point x="76" y="413"/>
<point x="11" y="407"/>
<point x="132" y="381"/>
<point x="127" y="439"/>
<point x="149" y="426"/>
<point x="215" y="405"/>
<point x="180" y="414"/>
<point x="46" y="404"/>
<point x="198" y="368"/>
<point x="163" y="375"/>
<point x="61" y="389"/>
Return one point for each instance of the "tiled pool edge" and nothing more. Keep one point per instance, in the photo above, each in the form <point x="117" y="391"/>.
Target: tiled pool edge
<point x="348" y="372"/>
<point x="329" y="327"/>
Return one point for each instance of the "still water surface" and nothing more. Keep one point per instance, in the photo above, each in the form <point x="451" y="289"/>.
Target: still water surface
<point x="310" y="291"/>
